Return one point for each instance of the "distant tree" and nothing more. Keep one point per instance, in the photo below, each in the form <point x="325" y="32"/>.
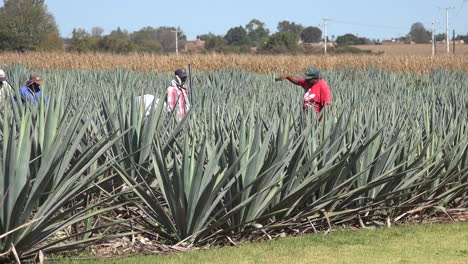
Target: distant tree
<point x="346" y="39"/>
<point x="462" y="37"/>
<point x="52" y="42"/>
<point x="27" y="25"/>
<point x="288" y="26"/>
<point x="97" y="32"/>
<point x="146" y="40"/>
<point x="404" y="38"/>
<point x="419" y="34"/>
<point x="351" y="39"/>
<point x="280" y="42"/>
<point x="144" y="33"/>
<point x="213" y="42"/>
<point x="166" y="37"/>
<point x="118" y="41"/>
<point x="363" y="41"/>
<point x="115" y="44"/>
<point x="311" y="35"/>
<point x="440" y="37"/>
<point x="120" y="34"/>
<point x="465" y="38"/>
<point x="149" y="46"/>
<point x="81" y="41"/>
<point x="237" y="36"/>
<point x="256" y="31"/>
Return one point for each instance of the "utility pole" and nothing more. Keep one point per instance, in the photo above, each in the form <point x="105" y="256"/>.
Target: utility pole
<point x="176" y="42"/>
<point x="447" y="30"/>
<point x="433" y="39"/>
<point x="447" y="27"/>
<point x="453" y="42"/>
<point x="325" y="35"/>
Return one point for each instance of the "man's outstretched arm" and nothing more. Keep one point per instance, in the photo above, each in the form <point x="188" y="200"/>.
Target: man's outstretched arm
<point x="292" y="79"/>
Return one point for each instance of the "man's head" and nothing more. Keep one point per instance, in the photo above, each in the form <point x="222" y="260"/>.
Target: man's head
<point x="181" y="74"/>
<point x="312" y="75"/>
<point x="34" y="81"/>
<point x="2" y="76"/>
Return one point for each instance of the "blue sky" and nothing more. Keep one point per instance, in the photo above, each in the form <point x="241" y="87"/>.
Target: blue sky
<point x="373" y="19"/>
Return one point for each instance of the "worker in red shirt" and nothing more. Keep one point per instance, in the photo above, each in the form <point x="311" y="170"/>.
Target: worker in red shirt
<point x="316" y="90"/>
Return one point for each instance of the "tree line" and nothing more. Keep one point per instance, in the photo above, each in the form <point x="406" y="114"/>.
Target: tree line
<point x="147" y="39"/>
<point x="420" y="35"/>
<point x="26" y="25"/>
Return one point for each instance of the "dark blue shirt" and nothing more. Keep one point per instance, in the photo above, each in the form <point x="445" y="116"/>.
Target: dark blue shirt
<point x="28" y="95"/>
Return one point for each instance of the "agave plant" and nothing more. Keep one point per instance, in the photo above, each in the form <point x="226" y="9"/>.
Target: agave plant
<point x="245" y="159"/>
<point x="284" y="166"/>
<point x="46" y="174"/>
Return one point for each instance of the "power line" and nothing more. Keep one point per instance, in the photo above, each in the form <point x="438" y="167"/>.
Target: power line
<point x="460" y="8"/>
<point x="366" y="25"/>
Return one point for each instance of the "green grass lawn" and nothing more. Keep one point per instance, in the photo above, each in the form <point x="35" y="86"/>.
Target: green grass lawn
<point x="436" y="243"/>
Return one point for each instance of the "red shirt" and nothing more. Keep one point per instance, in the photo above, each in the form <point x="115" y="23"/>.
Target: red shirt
<point x="317" y="95"/>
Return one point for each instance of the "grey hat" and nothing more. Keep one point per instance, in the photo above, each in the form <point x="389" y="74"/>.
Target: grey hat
<point x="181" y="72"/>
<point x="312" y="73"/>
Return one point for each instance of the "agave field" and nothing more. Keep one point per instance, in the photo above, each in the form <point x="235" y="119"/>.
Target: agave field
<point x="246" y="162"/>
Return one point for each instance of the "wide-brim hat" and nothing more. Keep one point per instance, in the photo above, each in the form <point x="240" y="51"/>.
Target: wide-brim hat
<point x="311" y="73"/>
<point x="34" y="78"/>
<point x="2" y="76"/>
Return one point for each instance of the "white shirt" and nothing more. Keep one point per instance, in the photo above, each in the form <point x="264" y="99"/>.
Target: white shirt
<point x="5" y="89"/>
<point x="148" y="99"/>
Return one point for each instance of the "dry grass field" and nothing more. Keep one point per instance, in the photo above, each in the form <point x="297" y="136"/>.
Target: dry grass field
<point x="414" y="49"/>
<point x="252" y="63"/>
